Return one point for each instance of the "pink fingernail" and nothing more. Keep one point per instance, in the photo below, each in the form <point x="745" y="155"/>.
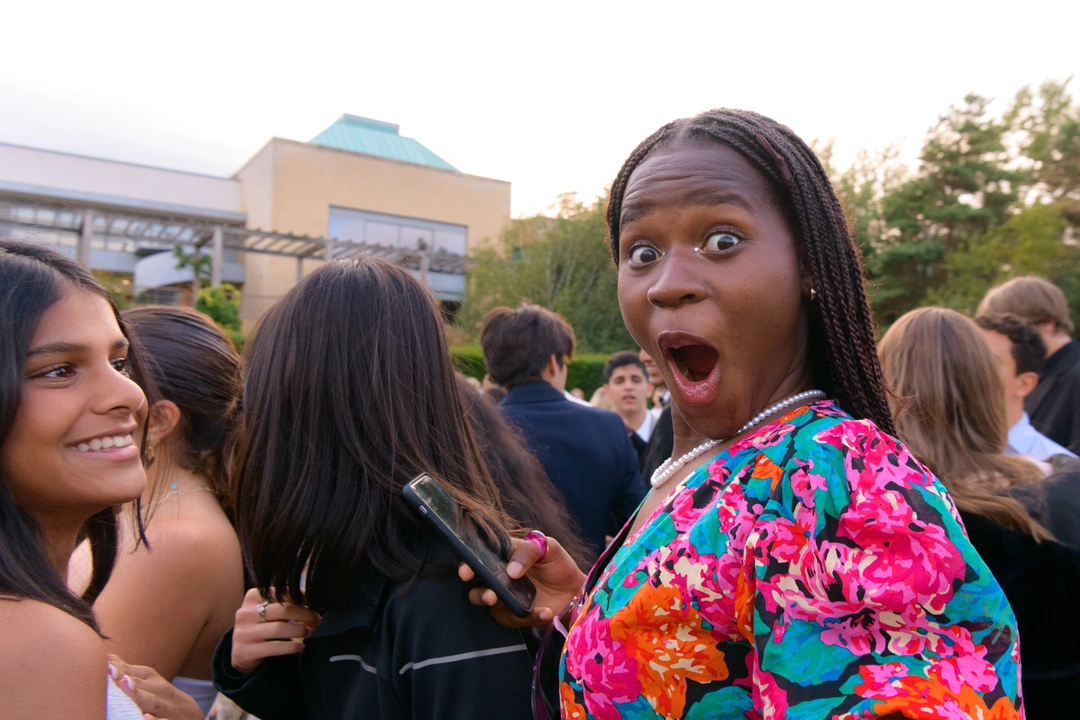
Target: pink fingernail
<point x="113" y="672"/>
<point x="126" y="685"/>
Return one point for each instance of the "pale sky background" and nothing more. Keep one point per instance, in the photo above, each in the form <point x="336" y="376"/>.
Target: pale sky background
<point x="551" y="96"/>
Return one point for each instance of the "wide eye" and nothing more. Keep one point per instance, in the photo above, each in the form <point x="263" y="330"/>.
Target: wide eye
<point x="644" y="254"/>
<point x="719" y="242"/>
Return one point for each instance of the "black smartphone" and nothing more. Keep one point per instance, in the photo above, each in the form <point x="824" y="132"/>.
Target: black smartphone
<point x="428" y="498"/>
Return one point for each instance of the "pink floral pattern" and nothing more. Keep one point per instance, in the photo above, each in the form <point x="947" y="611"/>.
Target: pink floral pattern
<point x="812" y="570"/>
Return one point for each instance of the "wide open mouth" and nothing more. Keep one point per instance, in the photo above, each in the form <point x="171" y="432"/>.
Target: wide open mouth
<point x="694" y="363"/>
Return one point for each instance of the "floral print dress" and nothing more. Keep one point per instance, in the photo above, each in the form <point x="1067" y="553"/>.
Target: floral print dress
<point x="812" y="570"/>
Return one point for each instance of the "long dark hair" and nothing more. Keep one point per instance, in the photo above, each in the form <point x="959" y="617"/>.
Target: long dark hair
<point x="350" y="393"/>
<point x="193" y="364"/>
<point x="32" y="279"/>
<point x="842" y="352"/>
<point x="527" y="494"/>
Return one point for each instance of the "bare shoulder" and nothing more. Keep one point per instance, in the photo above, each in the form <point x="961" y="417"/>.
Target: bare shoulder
<point x="53" y="664"/>
<point x="189" y="551"/>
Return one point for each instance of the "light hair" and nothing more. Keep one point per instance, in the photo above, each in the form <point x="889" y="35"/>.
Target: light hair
<point x="1031" y="298"/>
<point x="950" y="412"/>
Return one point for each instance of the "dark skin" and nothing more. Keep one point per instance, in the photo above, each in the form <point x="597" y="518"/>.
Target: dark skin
<point x="703" y="251"/>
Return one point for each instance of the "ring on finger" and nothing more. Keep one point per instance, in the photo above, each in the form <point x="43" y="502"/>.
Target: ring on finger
<point x="541" y="542"/>
<point x="261" y="607"/>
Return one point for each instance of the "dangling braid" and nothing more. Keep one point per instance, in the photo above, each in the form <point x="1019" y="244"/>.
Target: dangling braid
<point x="843" y="353"/>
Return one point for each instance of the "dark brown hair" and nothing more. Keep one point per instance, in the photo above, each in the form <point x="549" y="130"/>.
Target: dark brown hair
<point x="842" y="351"/>
<point x="1032" y="298"/>
<point x="529" y="497"/>
<point x="951" y="413"/>
<point x="32" y="279"/>
<point x="622" y="359"/>
<point x="518" y="342"/>
<point x="1028" y="348"/>
<point x="350" y="393"/>
<point x="195" y="366"/>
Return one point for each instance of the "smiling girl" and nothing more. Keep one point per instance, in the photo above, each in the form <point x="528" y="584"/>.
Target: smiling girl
<point x="69" y="418"/>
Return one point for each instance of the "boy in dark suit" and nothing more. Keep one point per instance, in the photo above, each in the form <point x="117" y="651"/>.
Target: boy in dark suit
<point x="586" y="451"/>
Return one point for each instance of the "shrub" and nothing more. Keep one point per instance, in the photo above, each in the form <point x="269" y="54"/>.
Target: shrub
<point x="586" y="370"/>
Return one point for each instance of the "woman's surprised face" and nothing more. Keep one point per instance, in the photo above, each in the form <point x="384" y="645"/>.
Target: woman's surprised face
<point x="71" y="450"/>
<point x="711" y="285"/>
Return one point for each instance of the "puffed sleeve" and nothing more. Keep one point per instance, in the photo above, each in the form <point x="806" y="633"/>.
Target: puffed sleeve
<point x="868" y="598"/>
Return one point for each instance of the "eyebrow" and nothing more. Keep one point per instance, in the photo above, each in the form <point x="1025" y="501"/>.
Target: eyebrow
<point x="62" y="348"/>
<point x="706" y="197"/>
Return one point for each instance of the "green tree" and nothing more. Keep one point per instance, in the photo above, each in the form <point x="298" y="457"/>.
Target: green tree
<point x="963" y="188"/>
<point x="560" y="262"/>
<point x="1048" y="127"/>
<point x="222" y="304"/>
<point x="201" y="263"/>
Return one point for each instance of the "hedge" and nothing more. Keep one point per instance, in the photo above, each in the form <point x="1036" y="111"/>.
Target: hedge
<point x="586" y="370"/>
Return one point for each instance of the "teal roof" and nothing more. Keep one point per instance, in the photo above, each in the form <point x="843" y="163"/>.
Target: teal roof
<point x="381" y="139"/>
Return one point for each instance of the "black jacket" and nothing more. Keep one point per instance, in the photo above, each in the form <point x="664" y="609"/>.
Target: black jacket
<point x="586" y="452"/>
<point x="1042" y="583"/>
<point x="400" y="651"/>
<point x="1054" y="404"/>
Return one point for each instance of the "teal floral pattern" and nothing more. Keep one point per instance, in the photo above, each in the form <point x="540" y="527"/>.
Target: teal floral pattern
<point x="814" y="569"/>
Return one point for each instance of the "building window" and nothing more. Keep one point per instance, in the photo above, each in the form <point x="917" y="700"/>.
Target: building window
<point x="395" y="231"/>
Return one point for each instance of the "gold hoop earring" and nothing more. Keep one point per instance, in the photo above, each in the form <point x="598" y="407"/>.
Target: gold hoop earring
<point x="813" y="294"/>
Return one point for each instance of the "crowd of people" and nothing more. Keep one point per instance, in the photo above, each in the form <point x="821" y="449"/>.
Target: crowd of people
<point x="764" y="512"/>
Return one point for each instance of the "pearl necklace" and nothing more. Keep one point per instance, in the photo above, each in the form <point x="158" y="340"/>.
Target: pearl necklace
<point x="670" y="466"/>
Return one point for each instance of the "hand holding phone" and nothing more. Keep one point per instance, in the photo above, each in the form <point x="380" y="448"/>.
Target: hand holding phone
<point x="430" y="500"/>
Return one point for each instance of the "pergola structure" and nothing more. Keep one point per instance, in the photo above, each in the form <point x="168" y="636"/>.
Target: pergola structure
<point x="125" y="230"/>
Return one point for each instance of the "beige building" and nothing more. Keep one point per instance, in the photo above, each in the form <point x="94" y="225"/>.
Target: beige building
<point x="359" y="186"/>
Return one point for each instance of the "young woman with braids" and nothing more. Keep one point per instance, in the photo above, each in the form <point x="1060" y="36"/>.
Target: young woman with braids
<point x="70" y="456"/>
<point x="793" y="559"/>
<point x="167" y="605"/>
<point x="951" y="413"/>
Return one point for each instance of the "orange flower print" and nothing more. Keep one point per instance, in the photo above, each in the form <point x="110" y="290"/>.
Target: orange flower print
<point x="671" y="646"/>
<point x="570" y="708"/>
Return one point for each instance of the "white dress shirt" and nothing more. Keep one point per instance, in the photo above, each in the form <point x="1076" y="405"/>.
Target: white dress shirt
<point x="1024" y="439"/>
<point x="647" y="426"/>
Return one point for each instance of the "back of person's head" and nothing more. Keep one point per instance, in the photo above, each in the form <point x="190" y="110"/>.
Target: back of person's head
<point x="622" y="359"/>
<point x="518" y="342"/>
<point x="527" y="494"/>
<point x="349" y="394"/>
<point x="950" y="412"/>
<point x="195" y="367"/>
<point x="1031" y="298"/>
<point x="1028" y="348"/>
<point x="32" y="279"/>
<point x="601" y="400"/>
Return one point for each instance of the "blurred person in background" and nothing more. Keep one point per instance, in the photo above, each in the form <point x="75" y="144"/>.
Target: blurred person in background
<point x="626" y="382"/>
<point x="601" y="400"/>
<point x="662" y="439"/>
<point x="167" y="605"/>
<point x="1054" y="405"/>
<point x="70" y="457"/>
<point x="1020" y="352"/>
<point x="950" y="412"/>
<point x="578" y="393"/>
<point x="349" y="394"/>
<point x="585" y="451"/>
<point x="526" y="492"/>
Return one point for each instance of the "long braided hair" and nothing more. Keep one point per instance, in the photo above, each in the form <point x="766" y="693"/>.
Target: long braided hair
<point x="843" y="355"/>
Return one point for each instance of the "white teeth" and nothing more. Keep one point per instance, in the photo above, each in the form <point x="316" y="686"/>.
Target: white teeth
<point x="105" y="443"/>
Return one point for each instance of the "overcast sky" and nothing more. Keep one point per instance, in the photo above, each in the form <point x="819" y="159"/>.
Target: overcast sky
<point x="551" y="96"/>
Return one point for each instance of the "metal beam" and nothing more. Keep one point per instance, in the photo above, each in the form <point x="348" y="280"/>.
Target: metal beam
<point x="217" y="255"/>
<point x="86" y="237"/>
